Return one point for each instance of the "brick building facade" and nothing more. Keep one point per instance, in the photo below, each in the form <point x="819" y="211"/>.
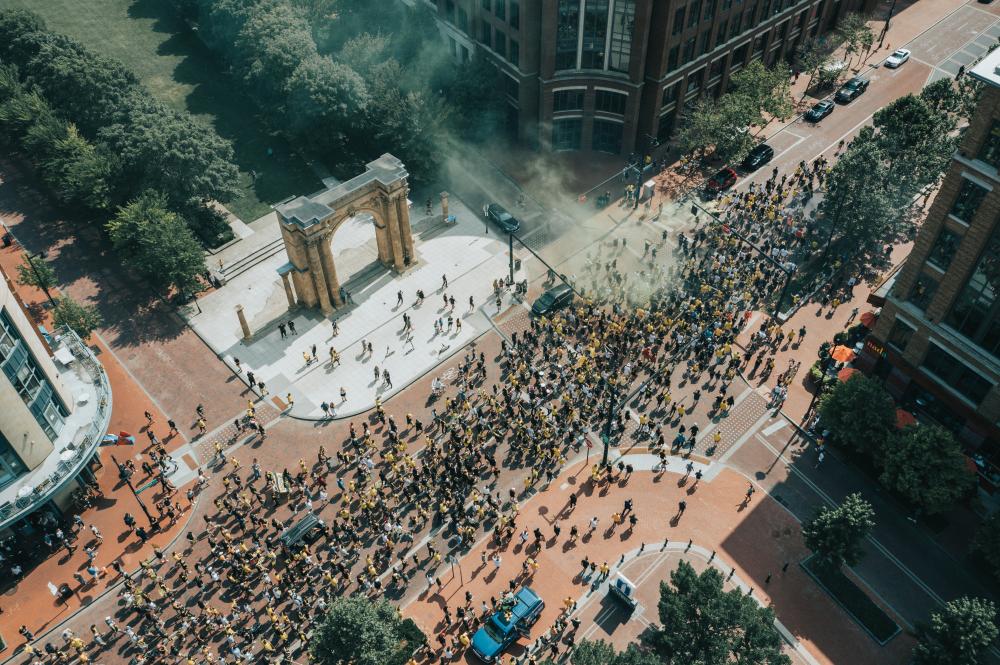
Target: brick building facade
<point x="937" y="340"/>
<point x="614" y="75"/>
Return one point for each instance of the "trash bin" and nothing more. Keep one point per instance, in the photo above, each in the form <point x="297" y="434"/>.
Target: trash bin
<point x="8" y="240"/>
<point x="517" y="264"/>
<point x="65" y="593"/>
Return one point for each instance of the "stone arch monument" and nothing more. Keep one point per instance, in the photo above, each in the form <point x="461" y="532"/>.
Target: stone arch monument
<point x="309" y="222"/>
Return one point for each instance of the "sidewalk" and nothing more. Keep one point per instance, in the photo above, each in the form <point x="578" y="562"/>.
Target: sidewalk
<point x="29" y="601"/>
<point x="715" y="523"/>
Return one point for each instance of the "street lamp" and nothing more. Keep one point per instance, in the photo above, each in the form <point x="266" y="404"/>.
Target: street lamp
<point x="153" y="524"/>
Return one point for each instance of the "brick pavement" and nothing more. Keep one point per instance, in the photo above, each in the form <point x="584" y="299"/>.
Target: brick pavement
<point x="756" y="541"/>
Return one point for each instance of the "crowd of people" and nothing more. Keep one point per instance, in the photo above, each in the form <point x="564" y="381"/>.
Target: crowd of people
<point x="240" y="588"/>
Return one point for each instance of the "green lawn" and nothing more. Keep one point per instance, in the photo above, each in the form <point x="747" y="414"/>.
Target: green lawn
<point x="148" y="37"/>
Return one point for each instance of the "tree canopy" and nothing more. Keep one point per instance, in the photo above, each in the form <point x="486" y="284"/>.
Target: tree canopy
<point x="960" y="633"/>
<point x="987" y="544"/>
<point x="158" y="244"/>
<point x="926" y="466"/>
<point x="859" y="414"/>
<point x="835" y="534"/>
<point x="705" y="625"/>
<point x="81" y="319"/>
<point x="360" y="631"/>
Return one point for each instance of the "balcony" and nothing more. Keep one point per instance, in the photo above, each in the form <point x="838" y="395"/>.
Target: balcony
<point x="80" y="436"/>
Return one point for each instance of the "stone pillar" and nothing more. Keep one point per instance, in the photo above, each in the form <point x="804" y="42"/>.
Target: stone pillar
<point x="289" y="294"/>
<point x="318" y="278"/>
<point x="243" y="323"/>
<point x="392" y="221"/>
<point x="403" y="213"/>
<point x="330" y="270"/>
<point x="444" y="206"/>
<point x="382" y="240"/>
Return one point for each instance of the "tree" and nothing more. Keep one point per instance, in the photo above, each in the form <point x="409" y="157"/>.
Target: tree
<point x="704" y="624"/>
<point x="859" y="413"/>
<point x="835" y="534"/>
<point x="359" y="631"/>
<point x="158" y="244"/>
<point x="960" y="633"/>
<point x="325" y="100"/>
<point x="926" y="466"/>
<point x="855" y="34"/>
<point x="37" y="273"/>
<point x="987" y="544"/>
<point x="722" y="125"/>
<point x="811" y="55"/>
<point x="766" y="91"/>
<point x="81" y="319"/>
<point x="77" y="172"/>
<point x="600" y="652"/>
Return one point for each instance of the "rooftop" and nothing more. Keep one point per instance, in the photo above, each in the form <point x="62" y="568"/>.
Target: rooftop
<point x="988" y="69"/>
<point x="82" y="432"/>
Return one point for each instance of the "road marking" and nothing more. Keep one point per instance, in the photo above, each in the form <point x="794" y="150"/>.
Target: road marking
<point x="826" y="498"/>
<point x="771" y="429"/>
<point x="800" y="140"/>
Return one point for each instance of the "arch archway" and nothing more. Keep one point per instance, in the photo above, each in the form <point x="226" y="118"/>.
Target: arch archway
<point x="309" y="222"/>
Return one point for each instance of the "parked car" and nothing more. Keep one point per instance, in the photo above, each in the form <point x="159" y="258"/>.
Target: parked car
<point x="497" y="214"/>
<point x="721" y="181"/>
<point x="506" y="625"/>
<point x="553" y="300"/>
<point x="757" y="157"/>
<point x="819" y="111"/>
<point x="851" y="90"/>
<point x="898" y="57"/>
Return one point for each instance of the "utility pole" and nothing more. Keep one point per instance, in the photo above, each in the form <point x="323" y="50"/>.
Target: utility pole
<point x="885" y="28"/>
<point x="510" y="252"/>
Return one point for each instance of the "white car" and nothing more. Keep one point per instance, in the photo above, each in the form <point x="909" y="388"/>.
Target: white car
<point x="897" y="58"/>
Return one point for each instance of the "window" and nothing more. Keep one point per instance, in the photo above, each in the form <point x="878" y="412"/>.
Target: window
<point x="720" y="34"/>
<point x="567" y="34"/>
<point x="566" y="134"/>
<point x="695" y="80"/>
<point x="747" y="19"/>
<point x="670" y="93"/>
<point x="595" y="32"/>
<point x="567" y="100"/>
<point x="688" y="51"/>
<point x="673" y="58"/>
<point x="515" y="14"/>
<point x="500" y="43"/>
<point x="962" y="378"/>
<point x="740" y="55"/>
<point x="622" y="26"/>
<point x="463" y="20"/>
<point x="715" y="72"/>
<point x="453" y="46"/>
<point x="710" y="9"/>
<point x="726" y="4"/>
<point x="500" y="9"/>
<point x="758" y="45"/>
<point x="487" y="31"/>
<point x="968" y="200"/>
<point x="607" y="101"/>
<point x="28" y="379"/>
<point x="515" y="53"/>
<point x="923" y="290"/>
<point x="976" y="313"/>
<point x="511" y="86"/>
<point x="900" y="335"/>
<point x="695" y="14"/>
<point x="11" y="466"/>
<point x="944" y="249"/>
<point x="990" y="150"/>
<point x="679" y="20"/>
<point x="666" y="126"/>
<point x="607" y="136"/>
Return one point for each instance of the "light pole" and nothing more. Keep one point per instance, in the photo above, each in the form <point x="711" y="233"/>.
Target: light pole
<point x="128" y="481"/>
<point x="510" y="254"/>
<point x="885" y="28"/>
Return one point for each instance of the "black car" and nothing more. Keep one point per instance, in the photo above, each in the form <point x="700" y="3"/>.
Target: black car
<point x="851" y="90"/>
<point x="552" y="300"/>
<point x="819" y="111"/>
<point x="759" y="156"/>
<point x="498" y="214"/>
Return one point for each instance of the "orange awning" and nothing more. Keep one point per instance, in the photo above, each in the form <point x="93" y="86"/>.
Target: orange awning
<point x="904" y="419"/>
<point x="868" y="319"/>
<point x="842" y="354"/>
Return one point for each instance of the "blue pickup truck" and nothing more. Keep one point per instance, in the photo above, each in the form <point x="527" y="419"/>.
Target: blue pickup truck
<point x="506" y="625"/>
